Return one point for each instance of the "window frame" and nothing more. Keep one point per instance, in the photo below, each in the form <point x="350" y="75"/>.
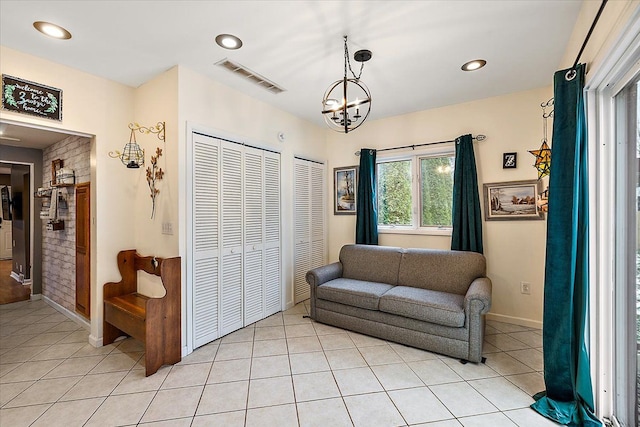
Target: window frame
<point x="614" y="71"/>
<point x="444" y="150"/>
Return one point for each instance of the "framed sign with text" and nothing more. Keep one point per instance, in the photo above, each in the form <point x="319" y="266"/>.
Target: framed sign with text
<point x="26" y="97"/>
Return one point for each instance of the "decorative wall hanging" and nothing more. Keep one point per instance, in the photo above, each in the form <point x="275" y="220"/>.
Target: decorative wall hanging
<point x="132" y="156"/>
<point x="26" y="97"/>
<point x="347" y="102"/>
<point x="509" y="160"/>
<point x="543" y="155"/>
<point x="154" y="173"/>
<point x="345" y="184"/>
<point x="515" y="200"/>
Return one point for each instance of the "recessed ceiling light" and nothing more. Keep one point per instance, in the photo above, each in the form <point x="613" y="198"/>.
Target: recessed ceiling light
<point x="228" y="41"/>
<point x="476" y="64"/>
<point x="52" y="30"/>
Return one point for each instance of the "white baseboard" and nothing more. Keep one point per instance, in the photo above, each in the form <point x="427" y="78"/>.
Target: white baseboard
<point x="514" y="320"/>
<point x="70" y="314"/>
<point x="96" y="342"/>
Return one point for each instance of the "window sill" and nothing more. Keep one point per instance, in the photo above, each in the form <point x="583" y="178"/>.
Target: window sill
<point x="417" y="231"/>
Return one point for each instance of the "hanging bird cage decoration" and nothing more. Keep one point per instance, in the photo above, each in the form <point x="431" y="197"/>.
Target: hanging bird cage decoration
<point x="132" y="156"/>
<point x="543" y="154"/>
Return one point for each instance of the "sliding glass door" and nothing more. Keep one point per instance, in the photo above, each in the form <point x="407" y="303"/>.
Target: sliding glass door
<point x="626" y="296"/>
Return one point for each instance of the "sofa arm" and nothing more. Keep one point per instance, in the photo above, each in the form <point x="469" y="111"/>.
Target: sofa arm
<point x="320" y="275"/>
<point x="480" y="290"/>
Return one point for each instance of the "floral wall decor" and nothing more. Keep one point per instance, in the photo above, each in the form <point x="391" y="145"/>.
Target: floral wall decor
<point x="154" y="173"/>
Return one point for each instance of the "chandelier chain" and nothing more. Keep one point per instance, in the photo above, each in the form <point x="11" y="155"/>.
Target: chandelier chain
<point x="347" y="62"/>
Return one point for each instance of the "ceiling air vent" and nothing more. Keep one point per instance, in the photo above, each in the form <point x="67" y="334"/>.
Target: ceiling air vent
<point x="256" y="78"/>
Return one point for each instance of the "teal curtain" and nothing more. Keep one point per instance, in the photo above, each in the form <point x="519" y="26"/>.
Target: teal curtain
<point x="568" y="398"/>
<point x="467" y="218"/>
<point x="366" y="205"/>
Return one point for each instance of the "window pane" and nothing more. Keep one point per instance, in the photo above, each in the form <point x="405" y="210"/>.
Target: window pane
<point x="436" y="191"/>
<point x="394" y="193"/>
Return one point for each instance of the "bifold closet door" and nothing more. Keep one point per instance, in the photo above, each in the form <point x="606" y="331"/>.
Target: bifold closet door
<point x="253" y="235"/>
<point x="231" y="283"/>
<point x="205" y="240"/>
<point x="309" y="215"/>
<point x="272" y="235"/>
<point x="235" y="267"/>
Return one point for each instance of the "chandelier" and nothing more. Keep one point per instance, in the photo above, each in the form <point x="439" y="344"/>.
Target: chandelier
<point x="347" y="102"/>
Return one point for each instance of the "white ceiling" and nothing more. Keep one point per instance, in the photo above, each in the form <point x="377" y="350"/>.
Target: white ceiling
<point x="418" y="46"/>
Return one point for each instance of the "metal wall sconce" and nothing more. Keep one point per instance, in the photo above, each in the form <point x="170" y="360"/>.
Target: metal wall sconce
<point x="132" y="156"/>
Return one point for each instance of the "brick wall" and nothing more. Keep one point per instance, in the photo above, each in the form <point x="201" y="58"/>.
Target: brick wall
<point x="58" y="247"/>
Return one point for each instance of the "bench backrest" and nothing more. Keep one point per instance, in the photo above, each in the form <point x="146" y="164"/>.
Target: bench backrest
<point x="129" y="262"/>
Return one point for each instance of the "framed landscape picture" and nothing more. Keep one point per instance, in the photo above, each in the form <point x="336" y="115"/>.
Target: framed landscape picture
<point x="345" y="184"/>
<point x="514" y="200"/>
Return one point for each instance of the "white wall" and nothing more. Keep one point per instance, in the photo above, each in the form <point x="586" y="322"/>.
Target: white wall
<point x="93" y="106"/>
<point x="515" y="250"/>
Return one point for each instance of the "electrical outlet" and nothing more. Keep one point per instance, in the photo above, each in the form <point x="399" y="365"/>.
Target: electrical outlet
<point x="525" y="288"/>
<point x="167" y="228"/>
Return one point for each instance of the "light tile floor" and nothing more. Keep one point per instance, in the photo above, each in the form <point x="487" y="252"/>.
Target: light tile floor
<point x="285" y="370"/>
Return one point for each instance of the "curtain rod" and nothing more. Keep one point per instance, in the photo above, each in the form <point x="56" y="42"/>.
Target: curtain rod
<point x="413" y="147"/>
<point x="586" y="39"/>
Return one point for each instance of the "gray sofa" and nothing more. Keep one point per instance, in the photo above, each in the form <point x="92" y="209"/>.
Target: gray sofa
<point x="430" y="299"/>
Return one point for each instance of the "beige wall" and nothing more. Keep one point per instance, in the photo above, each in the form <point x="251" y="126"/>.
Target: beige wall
<point x="206" y="104"/>
<point x="614" y="17"/>
<point x="157" y="101"/>
<point x="514" y="249"/>
<point x="91" y="106"/>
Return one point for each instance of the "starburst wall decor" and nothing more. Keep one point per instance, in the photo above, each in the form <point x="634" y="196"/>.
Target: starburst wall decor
<point x="543" y="154"/>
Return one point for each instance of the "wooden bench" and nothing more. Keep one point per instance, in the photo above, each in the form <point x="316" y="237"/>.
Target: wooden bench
<point x="154" y="321"/>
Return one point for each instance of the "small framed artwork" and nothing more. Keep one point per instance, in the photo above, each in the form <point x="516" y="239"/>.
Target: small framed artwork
<point x="56" y="165"/>
<point x="509" y="160"/>
<point x="514" y="200"/>
<point x="345" y="184"/>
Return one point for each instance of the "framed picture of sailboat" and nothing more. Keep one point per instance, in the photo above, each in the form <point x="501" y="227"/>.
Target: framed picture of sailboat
<point x="345" y="185"/>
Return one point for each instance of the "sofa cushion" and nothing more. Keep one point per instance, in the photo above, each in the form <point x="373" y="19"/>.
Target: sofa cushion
<point x="423" y="304"/>
<point x="371" y="263"/>
<point x="438" y="270"/>
<point x="353" y="292"/>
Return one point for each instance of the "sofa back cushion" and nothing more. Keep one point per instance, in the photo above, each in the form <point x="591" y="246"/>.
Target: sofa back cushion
<point x="438" y="270"/>
<point x="371" y="263"/>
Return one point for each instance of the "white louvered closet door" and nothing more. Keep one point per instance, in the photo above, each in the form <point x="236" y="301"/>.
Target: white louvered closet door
<point x="253" y="235"/>
<point x="302" y="214"/>
<point x="317" y="202"/>
<point x="205" y="268"/>
<point x="272" y="239"/>
<point x="231" y="283"/>
<point x="235" y="255"/>
<point x="309" y="223"/>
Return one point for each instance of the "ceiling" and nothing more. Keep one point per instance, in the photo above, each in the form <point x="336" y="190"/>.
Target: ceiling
<point x="28" y="137"/>
<point x="418" y="46"/>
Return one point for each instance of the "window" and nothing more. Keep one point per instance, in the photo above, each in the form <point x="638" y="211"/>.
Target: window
<point x="421" y="204"/>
